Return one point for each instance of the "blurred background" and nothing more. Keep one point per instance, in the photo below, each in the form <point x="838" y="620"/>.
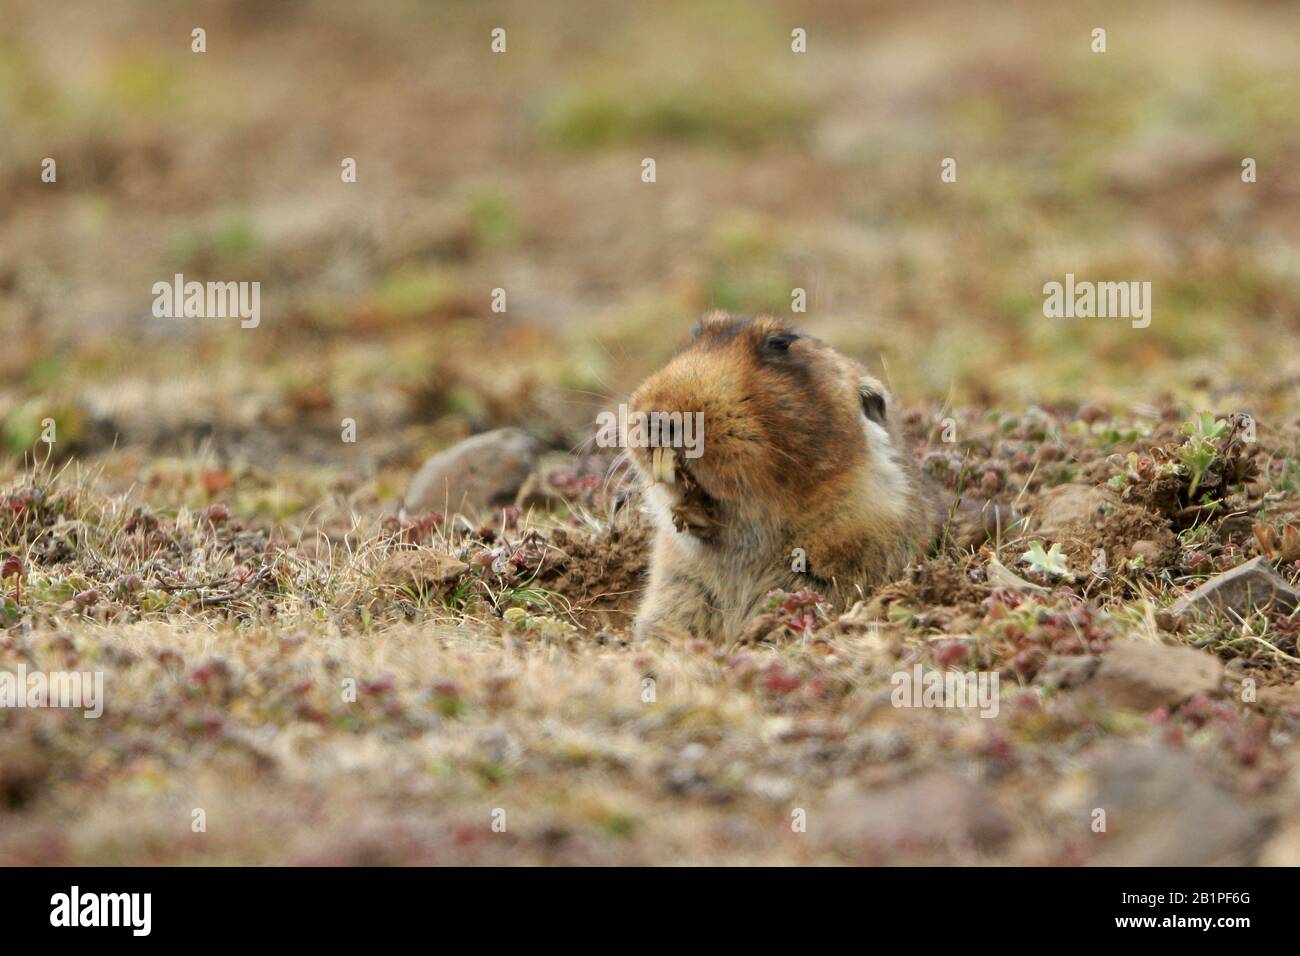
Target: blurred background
<point x="522" y="171"/>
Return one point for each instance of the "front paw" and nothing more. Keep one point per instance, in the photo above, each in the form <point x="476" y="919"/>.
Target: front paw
<point x="659" y="632"/>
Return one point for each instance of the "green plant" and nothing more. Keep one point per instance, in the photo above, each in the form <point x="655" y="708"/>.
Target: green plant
<point x="1197" y="453"/>
<point x="1050" y="563"/>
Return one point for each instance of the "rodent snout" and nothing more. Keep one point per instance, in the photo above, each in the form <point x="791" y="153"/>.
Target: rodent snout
<point x="668" y="427"/>
<point x="678" y="435"/>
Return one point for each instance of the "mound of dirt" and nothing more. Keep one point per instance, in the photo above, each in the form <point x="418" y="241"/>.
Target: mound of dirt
<point x="941" y="587"/>
<point x="605" y="573"/>
<point x="1121" y="533"/>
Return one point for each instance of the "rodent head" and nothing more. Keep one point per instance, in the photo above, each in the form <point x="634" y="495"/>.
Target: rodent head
<point x="783" y="414"/>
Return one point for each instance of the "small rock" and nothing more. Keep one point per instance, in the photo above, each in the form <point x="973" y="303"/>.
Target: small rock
<point x="480" y="472"/>
<point x="1066" y="504"/>
<point x="1067" y="671"/>
<point x="936" y="810"/>
<point x="1162" y="809"/>
<point x="420" y="569"/>
<point x="1149" y="551"/>
<point x="1142" y="675"/>
<point x="1243" y="589"/>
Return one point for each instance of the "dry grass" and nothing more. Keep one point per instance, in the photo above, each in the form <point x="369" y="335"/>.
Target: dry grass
<point x="318" y="689"/>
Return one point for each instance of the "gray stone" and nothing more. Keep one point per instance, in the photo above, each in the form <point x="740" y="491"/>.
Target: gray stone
<point x="1142" y="675"/>
<point x="1242" y="590"/>
<point x="478" y="473"/>
<point x="1067" y="504"/>
<point x="1163" y="809"/>
<point x="1067" y="671"/>
<point x="935" y="811"/>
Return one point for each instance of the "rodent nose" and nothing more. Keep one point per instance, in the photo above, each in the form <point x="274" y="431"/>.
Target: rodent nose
<point x="664" y="422"/>
<point x="673" y="390"/>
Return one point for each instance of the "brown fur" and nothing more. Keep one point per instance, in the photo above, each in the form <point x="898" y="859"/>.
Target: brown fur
<point x="792" y="459"/>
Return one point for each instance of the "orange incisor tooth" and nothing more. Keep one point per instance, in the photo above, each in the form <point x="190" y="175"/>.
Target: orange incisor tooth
<point x="663" y="466"/>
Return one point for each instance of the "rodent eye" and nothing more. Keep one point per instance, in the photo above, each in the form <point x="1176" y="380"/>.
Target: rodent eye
<point x="779" y="341"/>
<point x="873" y="404"/>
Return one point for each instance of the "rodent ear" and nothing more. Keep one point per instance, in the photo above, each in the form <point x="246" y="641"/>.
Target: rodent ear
<point x="716" y="317"/>
<point x="873" y="403"/>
